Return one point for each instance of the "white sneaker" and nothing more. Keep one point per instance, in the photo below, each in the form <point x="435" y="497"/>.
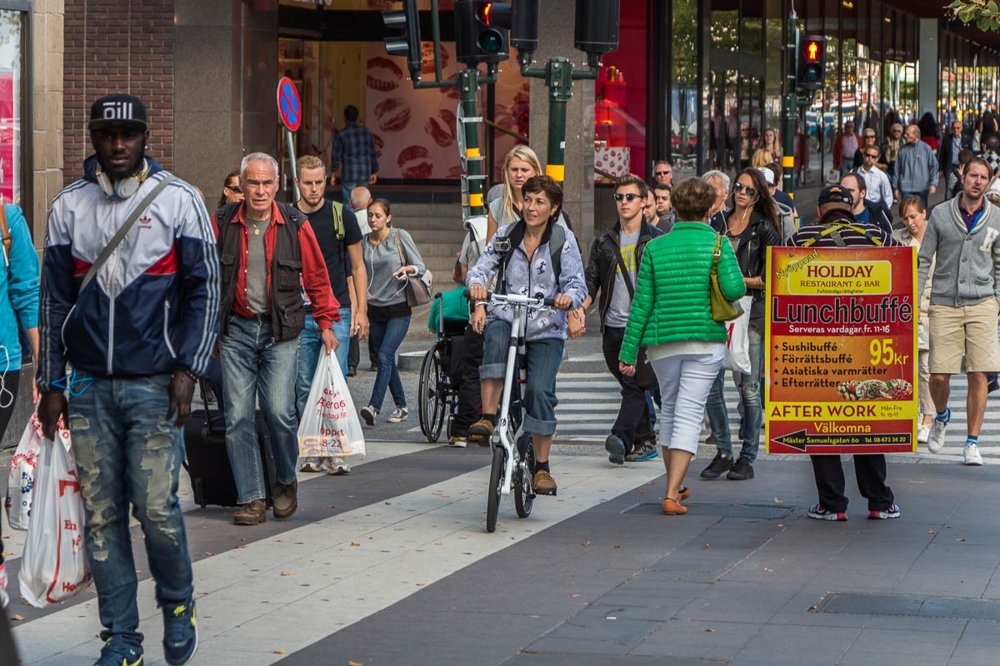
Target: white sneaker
<point x="936" y="441"/>
<point x="399" y="414"/>
<point x="311" y="465"/>
<point x="338" y="467"/>
<point x="972" y="456"/>
<point x="923" y="434"/>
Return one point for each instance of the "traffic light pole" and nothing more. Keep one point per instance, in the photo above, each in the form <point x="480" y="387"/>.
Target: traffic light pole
<point x="468" y="86"/>
<point x="559" y="75"/>
<point x="789" y="110"/>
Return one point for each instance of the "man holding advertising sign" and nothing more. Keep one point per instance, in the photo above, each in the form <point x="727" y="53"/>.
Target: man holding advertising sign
<point x="837" y="228"/>
<point x="964" y="235"/>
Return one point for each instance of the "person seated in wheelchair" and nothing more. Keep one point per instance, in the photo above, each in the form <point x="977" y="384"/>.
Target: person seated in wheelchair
<point x="532" y="257"/>
<point x="448" y="317"/>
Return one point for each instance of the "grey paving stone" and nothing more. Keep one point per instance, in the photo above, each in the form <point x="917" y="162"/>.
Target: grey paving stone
<point x="860" y="658"/>
<point x="803" y="646"/>
<point x="716" y="641"/>
<point x="549" y="659"/>
<point x="591" y="626"/>
<point x="901" y="642"/>
<point x="737" y="602"/>
<point x="562" y="645"/>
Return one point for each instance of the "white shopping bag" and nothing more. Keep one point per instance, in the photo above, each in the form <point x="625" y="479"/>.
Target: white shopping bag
<point x="330" y="426"/>
<point x="54" y="565"/>
<point x="21" y="479"/>
<point x="738" y="345"/>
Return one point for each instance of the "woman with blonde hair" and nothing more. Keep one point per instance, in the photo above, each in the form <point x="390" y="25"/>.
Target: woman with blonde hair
<point x="769" y="142"/>
<point x="672" y="317"/>
<point x="520" y="164"/>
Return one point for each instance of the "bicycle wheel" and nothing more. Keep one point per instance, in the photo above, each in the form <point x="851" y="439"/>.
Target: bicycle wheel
<point x="429" y="402"/>
<point x="496" y="481"/>
<point x="524" y="492"/>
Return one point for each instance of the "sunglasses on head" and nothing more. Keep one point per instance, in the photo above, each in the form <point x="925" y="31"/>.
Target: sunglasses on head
<point x="740" y="187"/>
<point x="235" y="188"/>
<point x="625" y="197"/>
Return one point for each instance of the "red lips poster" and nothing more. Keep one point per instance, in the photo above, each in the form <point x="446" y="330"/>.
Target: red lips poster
<point x="416" y="130"/>
<point x="7" y="136"/>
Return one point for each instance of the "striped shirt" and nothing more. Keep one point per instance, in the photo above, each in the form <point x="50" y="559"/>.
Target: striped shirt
<point x="852" y="233"/>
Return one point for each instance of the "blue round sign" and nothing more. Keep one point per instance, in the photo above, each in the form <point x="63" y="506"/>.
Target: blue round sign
<point x="289" y="105"/>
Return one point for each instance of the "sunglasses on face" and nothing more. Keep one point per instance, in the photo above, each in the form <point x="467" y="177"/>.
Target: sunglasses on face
<point x="625" y="197"/>
<point x="663" y="173"/>
<point x="740" y="187"/>
<point x="234" y="188"/>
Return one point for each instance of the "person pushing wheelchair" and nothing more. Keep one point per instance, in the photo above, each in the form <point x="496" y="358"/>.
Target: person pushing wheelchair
<point x="535" y="257"/>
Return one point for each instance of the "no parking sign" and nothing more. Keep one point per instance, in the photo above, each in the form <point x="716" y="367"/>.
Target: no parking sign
<point x="289" y="104"/>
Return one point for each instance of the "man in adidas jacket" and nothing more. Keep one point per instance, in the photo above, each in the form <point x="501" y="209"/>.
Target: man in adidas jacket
<point x="138" y="337"/>
<point x="964" y="236"/>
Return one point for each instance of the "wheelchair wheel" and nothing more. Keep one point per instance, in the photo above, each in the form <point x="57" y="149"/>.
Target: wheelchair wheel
<point x="496" y="482"/>
<point x="524" y="492"/>
<point x="431" y="396"/>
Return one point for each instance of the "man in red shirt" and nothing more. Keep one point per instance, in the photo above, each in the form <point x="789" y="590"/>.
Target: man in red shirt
<point x="268" y="254"/>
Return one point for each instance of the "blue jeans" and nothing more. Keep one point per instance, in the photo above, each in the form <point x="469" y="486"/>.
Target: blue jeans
<point x="544" y="358"/>
<point x="753" y="413"/>
<point x="387" y="336"/>
<point x="255" y="366"/>
<point x="346" y="188"/>
<point x="310" y="347"/>
<point x="127" y="452"/>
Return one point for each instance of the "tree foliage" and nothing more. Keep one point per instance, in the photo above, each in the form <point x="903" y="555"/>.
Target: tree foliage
<point x="984" y="14"/>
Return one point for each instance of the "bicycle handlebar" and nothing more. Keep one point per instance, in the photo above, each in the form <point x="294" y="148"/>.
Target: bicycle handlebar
<point x="535" y="303"/>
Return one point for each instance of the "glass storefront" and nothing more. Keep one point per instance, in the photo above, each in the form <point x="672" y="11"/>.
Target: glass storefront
<point x="13" y="23"/>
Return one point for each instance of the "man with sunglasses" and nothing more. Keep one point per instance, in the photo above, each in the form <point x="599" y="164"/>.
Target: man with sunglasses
<point x="611" y="271"/>
<point x="879" y="188"/>
<point x="663" y="173"/>
<point x="868" y="140"/>
<point x="948" y="163"/>
<point x="138" y="334"/>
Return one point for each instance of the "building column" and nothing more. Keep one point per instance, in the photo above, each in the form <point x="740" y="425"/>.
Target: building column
<point x="46" y="90"/>
<point x="928" y="80"/>
<point x="555" y="39"/>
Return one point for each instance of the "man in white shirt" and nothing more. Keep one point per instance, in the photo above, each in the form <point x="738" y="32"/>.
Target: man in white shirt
<point x="360" y="198"/>
<point x="879" y="186"/>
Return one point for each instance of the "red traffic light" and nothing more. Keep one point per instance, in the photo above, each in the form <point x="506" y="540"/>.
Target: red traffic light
<point x="813" y="50"/>
<point x="483" y="12"/>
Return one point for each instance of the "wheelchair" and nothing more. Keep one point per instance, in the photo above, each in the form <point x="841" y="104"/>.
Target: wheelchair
<point x="440" y="377"/>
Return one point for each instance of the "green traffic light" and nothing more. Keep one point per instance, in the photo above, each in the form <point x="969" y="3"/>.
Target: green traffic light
<point x="490" y="41"/>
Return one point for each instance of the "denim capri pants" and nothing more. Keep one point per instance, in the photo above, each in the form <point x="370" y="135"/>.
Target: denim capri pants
<point x="544" y="358"/>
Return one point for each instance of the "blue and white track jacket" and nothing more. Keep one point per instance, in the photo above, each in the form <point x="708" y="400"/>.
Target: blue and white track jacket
<point x="153" y="307"/>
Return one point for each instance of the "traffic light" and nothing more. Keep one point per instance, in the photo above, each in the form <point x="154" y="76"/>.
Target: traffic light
<point x="596" y="28"/>
<point x="408" y="43"/>
<point x="481" y="31"/>
<point x="811" y="71"/>
<point x="524" y="29"/>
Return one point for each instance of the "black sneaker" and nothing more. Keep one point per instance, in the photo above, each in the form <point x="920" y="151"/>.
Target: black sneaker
<point x="180" y="633"/>
<point x="616" y="449"/>
<point x="642" y="451"/>
<point x="992" y="382"/>
<point x="723" y="462"/>
<point x="741" y="471"/>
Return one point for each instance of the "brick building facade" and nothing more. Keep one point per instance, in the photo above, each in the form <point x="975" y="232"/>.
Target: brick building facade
<point x="118" y="46"/>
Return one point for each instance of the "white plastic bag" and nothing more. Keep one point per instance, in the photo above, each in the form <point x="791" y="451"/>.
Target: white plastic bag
<point x="738" y="345"/>
<point x="330" y="426"/>
<point x="54" y="565"/>
<point x="21" y="479"/>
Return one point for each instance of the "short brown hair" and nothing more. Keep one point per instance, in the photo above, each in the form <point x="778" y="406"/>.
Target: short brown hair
<point x="550" y="187"/>
<point x="692" y="199"/>
<point x="632" y="179"/>
<point x="309" y="162"/>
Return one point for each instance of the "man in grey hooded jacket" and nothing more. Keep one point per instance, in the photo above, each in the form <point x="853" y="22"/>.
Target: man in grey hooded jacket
<point x="963" y="234"/>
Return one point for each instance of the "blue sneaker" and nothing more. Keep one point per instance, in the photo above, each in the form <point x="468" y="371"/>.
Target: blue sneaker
<point x="117" y="656"/>
<point x="180" y="633"/>
<point x="643" y="451"/>
<point x="616" y="449"/>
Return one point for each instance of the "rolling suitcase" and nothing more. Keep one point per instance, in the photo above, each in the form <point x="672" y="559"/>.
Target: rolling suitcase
<point x="207" y="460"/>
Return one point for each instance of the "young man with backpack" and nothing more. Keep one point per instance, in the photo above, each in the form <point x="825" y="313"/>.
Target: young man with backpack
<point x="611" y="271"/>
<point x="339" y="237"/>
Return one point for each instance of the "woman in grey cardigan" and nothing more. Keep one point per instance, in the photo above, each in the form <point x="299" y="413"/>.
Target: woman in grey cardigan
<point x="390" y="257"/>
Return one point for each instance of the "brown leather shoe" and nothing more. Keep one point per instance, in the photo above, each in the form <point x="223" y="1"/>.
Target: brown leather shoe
<point x="251" y="513"/>
<point x="543" y="483"/>
<point x="286" y="500"/>
<point x="481" y="431"/>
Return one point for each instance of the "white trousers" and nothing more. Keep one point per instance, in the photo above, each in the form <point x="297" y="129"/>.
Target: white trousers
<point x="685" y="381"/>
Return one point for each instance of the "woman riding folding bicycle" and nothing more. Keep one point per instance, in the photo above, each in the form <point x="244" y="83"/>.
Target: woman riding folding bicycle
<point x="522" y="253"/>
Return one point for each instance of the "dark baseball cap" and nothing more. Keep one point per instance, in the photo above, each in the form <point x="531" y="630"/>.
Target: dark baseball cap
<point x="117" y="109"/>
<point x="835" y="194"/>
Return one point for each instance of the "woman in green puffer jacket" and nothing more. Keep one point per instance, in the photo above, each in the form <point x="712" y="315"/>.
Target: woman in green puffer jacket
<point x="671" y="316"/>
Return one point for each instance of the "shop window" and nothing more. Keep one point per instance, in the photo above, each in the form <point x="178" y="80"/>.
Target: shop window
<point x="620" y="100"/>
<point x="12" y="173"/>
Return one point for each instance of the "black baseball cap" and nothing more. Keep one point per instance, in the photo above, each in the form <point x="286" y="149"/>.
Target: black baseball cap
<point x="835" y="194"/>
<point x="117" y="109"/>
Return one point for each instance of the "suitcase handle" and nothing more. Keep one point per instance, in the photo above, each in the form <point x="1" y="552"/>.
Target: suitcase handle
<point x="204" y="389"/>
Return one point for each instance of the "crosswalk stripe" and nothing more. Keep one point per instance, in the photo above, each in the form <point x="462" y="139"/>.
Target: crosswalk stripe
<point x="322" y="577"/>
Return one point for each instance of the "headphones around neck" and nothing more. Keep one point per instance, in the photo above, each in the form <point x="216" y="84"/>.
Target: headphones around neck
<point x="125" y="187"/>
